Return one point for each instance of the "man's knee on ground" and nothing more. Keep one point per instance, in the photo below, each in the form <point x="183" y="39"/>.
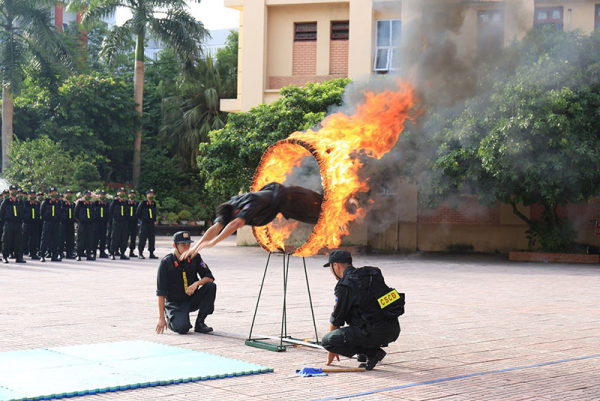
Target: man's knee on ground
<point x="181" y="328"/>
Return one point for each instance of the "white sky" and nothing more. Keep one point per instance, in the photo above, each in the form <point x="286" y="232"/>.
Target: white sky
<point x="212" y="13"/>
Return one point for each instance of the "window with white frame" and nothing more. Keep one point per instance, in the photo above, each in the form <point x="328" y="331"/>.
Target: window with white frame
<point x="387" y="45"/>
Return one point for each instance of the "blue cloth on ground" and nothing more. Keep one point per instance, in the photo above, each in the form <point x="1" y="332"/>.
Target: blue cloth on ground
<point x="308" y="372"/>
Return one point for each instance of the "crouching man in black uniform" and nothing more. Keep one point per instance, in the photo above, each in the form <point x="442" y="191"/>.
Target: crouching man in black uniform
<point x="368" y="306"/>
<point x="183" y="287"/>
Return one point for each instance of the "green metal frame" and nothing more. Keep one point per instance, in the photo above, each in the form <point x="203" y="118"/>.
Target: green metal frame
<point x="257" y="342"/>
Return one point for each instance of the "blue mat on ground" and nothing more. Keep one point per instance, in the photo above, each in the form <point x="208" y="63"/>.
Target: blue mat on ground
<point x="43" y="374"/>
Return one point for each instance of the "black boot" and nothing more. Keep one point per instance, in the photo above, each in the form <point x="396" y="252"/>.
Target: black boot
<point x="123" y="257"/>
<point x="131" y="254"/>
<point x="373" y="359"/>
<point x="20" y="259"/>
<point x="42" y="258"/>
<point x="200" y="326"/>
<point x="153" y="256"/>
<point x="112" y="257"/>
<point x="35" y="257"/>
<point x="103" y="255"/>
<point x="141" y="255"/>
<point x="78" y="258"/>
<point x="4" y="259"/>
<point x="55" y="258"/>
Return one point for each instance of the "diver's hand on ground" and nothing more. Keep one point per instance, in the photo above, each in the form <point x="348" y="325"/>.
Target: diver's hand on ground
<point x="161" y="326"/>
<point x="330" y="357"/>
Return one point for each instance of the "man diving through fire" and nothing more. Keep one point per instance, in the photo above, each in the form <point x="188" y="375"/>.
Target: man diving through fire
<point x="259" y="209"/>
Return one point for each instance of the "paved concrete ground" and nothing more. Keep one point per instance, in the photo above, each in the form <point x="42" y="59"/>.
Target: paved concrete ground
<point x="471" y="316"/>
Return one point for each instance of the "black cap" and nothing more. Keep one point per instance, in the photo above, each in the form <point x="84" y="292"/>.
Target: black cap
<point x="31" y="191"/>
<point x="68" y="191"/>
<point x="101" y="192"/>
<point x="87" y="192"/>
<point x="121" y="190"/>
<point x="150" y="191"/>
<point x="21" y="190"/>
<point x="5" y="191"/>
<point x="132" y="191"/>
<point x="339" y="257"/>
<point x="40" y="193"/>
<point x="51" y="189"/>
<point x="182" y="237"/>
<point x="13" y="188"/>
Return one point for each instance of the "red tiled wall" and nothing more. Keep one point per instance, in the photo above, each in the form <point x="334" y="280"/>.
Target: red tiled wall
<point x="338" y="57"/>
<point x="304" y="61"/>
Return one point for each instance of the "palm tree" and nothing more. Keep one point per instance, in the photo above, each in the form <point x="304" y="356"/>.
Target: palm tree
<point x="27" y="38"/>
<point x="165" y="20"/>
<point x="194" y="111"/>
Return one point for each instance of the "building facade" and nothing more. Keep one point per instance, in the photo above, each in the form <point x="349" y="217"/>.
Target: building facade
<point x="284" y="42"/>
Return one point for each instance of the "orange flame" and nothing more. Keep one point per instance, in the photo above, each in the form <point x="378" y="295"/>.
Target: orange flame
<point x="374" y="128"/>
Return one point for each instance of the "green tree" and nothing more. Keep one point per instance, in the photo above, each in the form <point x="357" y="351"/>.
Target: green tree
<point x="177" y="28"/>
<point x="27" y="38"/>
<point x="227" y="60"/>
<point x="227" y="163"/>
<point x="42" y="163"/>
<point x="194" y="111"/>
<point x="534" y="139"/>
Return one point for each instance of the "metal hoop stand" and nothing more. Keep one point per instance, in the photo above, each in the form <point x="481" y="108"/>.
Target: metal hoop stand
<point x="283" y="337"/>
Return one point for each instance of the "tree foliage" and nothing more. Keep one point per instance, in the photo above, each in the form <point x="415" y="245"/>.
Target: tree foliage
<point x="227" y="163"/>
<point x="43" y="163"/>
<point x="533" y="138"/>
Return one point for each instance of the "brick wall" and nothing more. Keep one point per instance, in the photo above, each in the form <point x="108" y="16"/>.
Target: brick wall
<point x="304" y="61"/>
<point x="338" y="57"/>
<point x="300" y="80"/>
<point x="469" y="211"/>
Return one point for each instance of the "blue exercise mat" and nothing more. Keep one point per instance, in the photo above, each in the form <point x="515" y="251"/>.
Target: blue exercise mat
<point x="99" y="368"/>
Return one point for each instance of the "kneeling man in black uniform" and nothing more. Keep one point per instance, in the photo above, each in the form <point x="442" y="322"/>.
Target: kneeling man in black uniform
<point x="184" y="286"/>
<point x="368" y="306"/>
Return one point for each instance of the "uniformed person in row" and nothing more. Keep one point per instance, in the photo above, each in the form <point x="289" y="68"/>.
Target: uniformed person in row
<point x="12" y="212"/>
<point x="132" y="230"/>
<point x="67" y="226"/>
<point x="50" y="211"/>
<point x="32" y="226"/>
<point x="146" y="213"/>
<point x="184" y="286"/>
<point x="22" y="197"/>
<point x="3" y="196"/>
<point x="120" y="224"/>
<point x="101" y="212"/>
<point x="365" y="316"/>
<point x="40" y="198"/>
<point x="84" y="213"/>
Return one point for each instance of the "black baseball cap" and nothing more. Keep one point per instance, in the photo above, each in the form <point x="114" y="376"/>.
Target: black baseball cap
<point x="339" y="257"/>
<point x="13" y="188"/>
<point x="101" y="192"/>
<point x="40" y="193"/>
<point x="132" y="191"/>
<point x="68" y="191"/>
<point x="52" y="189"/>
<point x="182" y="237"/>
<point x="121" y="190"/>
<point x="31" y="191"/>
<point x="87" y="192"/>
<point x="150" y="191"/>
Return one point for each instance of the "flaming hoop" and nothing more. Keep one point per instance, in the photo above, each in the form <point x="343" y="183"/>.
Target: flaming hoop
<point x="374" y="128"/>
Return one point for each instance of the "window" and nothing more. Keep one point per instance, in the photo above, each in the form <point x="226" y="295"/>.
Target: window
<point x="387" y="49"/>
<point x="305" y="31"/>
<point x="490" y="29"/>
<point x="340" y="30"/>
<point x="549" y="16"/>
<point x="597" y="25"/>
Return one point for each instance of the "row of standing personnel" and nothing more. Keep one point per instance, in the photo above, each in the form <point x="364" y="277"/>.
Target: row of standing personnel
<point x="45" y="227"/>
